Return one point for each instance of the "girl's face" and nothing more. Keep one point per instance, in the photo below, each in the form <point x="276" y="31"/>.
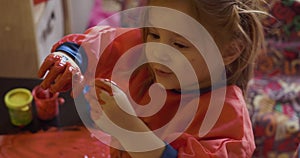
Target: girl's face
<point x="163" y="74"/>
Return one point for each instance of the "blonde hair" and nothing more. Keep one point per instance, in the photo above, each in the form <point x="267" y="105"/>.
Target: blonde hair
<point x="242" y="21"/>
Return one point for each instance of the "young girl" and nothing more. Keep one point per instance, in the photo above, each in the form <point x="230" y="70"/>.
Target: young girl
<point x="237" y="32"/>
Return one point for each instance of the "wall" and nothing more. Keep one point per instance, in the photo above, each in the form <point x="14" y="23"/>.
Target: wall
<point x="79" y="12"/>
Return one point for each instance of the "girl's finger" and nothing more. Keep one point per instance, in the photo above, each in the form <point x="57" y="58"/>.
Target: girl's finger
<point x="47" y="64"/>
<point x="104" y="96"/>
<point x="54" y="72"/>
<point x="102" y="85"/>
<point x="63" y="79"/>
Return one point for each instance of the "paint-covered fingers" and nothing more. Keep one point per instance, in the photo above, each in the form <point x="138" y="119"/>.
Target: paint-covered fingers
<point x="54" y="71"/>
<point x="60" y="68"/>
<point x="47" y="64"/>
<point x="63" y="81"/>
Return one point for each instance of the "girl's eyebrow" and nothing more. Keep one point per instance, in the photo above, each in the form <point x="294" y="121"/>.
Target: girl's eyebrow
<point x="175" y="34"/>
<point x="150" y="26"/>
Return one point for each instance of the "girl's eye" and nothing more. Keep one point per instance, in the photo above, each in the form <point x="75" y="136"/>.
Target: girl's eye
<point x="179" y="45"/>
<point x="153" y="35"/>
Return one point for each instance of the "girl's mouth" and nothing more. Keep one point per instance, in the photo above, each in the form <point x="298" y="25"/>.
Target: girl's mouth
<point x="162" y="72"/>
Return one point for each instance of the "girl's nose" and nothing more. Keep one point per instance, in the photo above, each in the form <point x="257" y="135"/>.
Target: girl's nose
<point x="159" y="53"/>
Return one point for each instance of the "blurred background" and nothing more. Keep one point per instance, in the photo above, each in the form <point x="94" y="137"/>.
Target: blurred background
<point x="29" y="28"/>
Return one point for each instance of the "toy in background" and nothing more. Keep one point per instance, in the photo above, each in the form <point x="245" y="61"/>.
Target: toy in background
<point x="38" y="1"/>
<point x="104" y="9"/>
<point x="282" y="56"/>
<point x="274" y="93"/>
<point x="275" y="115"/>
<point x="130" y="20"/>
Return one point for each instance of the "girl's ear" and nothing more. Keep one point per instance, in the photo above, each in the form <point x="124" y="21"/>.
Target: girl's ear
<point x="232" y="51"/>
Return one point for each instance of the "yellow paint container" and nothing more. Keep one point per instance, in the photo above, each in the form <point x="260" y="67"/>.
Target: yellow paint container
<point x="19" y="104"/>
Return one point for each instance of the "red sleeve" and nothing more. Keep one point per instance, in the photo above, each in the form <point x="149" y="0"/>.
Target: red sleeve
<point x="80" y="38"/>
<point x="103" y="46"/>
<point x="231" y="136"/>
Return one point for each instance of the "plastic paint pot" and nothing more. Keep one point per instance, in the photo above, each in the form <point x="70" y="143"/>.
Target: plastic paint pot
<point x="46" y="103"/>
<point x="19" y="104"/>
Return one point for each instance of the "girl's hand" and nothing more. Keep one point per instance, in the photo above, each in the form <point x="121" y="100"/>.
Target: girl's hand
<point x="61" y="70"/>
<point x="113" y="113"/>
<point x="109" y="104"/>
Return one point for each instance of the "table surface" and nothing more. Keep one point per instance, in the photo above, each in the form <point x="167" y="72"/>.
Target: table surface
<point x="68" y="115"/>
<point x="64" y="136"/>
